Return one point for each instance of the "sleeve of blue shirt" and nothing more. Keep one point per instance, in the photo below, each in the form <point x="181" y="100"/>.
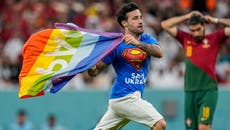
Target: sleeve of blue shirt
<point x="148" y="39"/>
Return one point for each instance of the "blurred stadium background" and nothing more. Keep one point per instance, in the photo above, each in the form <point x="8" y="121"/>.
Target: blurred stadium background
<point x="80" y="105"/>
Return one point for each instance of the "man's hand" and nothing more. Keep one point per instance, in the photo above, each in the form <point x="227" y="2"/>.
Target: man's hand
<point x="211" y="19"/>
<point x="92" y="71"/>
<point x="96" y="69"/>
<point x="152" y="50"/>
<point x="189" y="15"/>
<point x="129" y="39"/>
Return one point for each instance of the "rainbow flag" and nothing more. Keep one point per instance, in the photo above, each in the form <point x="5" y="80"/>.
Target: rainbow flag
<point x="52" y="57"/>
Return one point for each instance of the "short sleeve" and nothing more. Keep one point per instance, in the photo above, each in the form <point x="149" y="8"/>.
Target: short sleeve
<point x="148" y="39"/>
<point x="219" y="36"/>
<point x="181" y="35"/>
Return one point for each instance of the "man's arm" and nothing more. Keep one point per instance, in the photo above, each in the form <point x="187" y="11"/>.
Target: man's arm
<point x="225" y="22"/>
<point x="96" y="69"/>
<point x="170" y="25"/>
<point x="150" y="49"/>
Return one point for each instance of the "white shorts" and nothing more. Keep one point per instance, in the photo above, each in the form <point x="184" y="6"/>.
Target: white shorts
<point x="131" y="107"/>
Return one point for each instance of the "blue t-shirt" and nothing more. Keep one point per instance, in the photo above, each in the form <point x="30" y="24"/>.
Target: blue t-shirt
<point x="131" y="65"/>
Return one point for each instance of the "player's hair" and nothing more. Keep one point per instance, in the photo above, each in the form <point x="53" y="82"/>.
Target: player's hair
<point x="21" y="112"/>
<point x="196" y="19"/>
<point x="121" y="14"/>
<point x="51" y="117"/>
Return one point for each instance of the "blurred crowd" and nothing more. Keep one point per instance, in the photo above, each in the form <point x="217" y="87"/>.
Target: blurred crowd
<point x="21" y="18"/>
<point x="22" y="122"/>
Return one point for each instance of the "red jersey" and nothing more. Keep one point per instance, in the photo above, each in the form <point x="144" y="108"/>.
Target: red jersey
<point x="200" y="59"/>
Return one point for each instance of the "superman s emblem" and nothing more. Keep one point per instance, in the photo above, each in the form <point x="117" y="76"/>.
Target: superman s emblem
<point x="135" y="56"/>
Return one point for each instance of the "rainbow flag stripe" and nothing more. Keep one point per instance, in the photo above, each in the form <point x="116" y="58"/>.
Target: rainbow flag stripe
<point x="52" y="57"/>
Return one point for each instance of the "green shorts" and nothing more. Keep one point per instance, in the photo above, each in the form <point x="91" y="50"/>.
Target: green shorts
<point x="199" y="107"/>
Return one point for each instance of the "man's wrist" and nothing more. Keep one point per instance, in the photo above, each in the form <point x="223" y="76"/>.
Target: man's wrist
<point x="187" y="16"/>
<point x="136" y="43"/>
<point x="216" y="20"/>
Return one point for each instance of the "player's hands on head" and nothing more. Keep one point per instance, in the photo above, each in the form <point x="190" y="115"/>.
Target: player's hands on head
<point x="189" y="15"/>
<point x="210" y="19"/>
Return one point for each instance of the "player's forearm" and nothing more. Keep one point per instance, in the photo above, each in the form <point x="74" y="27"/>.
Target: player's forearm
<point x="170" y="25"/>
<point x="152" y="50"/>
<point x="225" y="22"/>
<point x="172" y="22"/>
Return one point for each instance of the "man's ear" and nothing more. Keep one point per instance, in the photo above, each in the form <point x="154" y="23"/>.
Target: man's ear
<point x="124" y="23"/>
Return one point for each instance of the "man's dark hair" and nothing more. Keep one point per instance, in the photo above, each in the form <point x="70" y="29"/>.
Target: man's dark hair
<point x="51" y="117"/>
<point x="196" y="19"/>
<point x="21" y="112"/>
<point x="121" y="14"/>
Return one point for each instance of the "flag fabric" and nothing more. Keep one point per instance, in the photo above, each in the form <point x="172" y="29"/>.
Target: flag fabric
<point x="52" y="57"/>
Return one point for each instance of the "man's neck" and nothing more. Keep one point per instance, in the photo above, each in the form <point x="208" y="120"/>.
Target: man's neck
<point x="136" y="36"/>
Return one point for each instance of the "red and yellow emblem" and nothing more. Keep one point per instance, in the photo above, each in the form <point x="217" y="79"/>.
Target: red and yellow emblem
<point x="135" y="56"/>
<point x="205" y="44"/>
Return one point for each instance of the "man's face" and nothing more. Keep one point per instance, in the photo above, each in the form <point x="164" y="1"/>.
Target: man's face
<point x="134" y="23"/>
<point x="197" y="32"/>
<point x="21" y="118"/>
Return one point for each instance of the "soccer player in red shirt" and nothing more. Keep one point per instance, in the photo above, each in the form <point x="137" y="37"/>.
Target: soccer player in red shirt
<point x="200" y="54"/>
